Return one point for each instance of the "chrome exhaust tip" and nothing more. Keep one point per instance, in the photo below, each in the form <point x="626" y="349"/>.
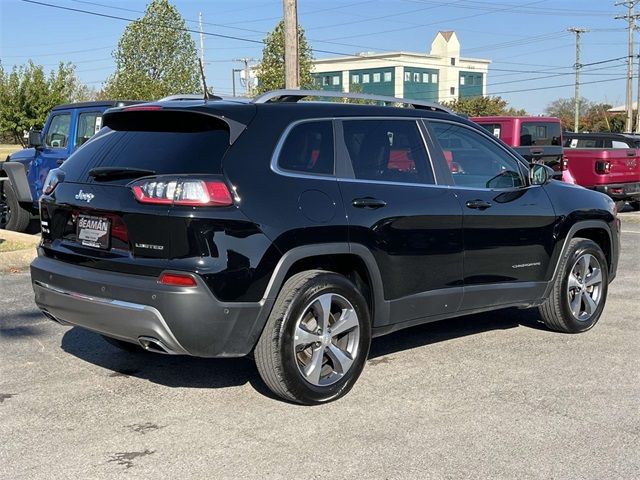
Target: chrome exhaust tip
<point x="154" y="345"/>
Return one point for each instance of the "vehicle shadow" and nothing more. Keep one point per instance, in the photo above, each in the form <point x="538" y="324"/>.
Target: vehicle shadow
<point x="168" y="370"/>
<point x="191" y="372"/>
<point x="441" y="331"/>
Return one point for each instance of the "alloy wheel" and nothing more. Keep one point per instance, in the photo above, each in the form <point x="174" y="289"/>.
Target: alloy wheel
<point x="584" y="287"/>
<point x="5" y="211"/>
<point x="326" y="339"/>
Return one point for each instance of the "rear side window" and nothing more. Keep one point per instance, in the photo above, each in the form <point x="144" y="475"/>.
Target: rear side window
<point x="88" y="125"/>
<point x="493" y="128"/>
<point x="583" y="143"/>
<point x="58" y="131"/>
<point x="164" y="142"/>
<point x="308" y="149"/>
<point x="619" y="144"/>
<point x="540" y="133"/>
<point x="387" y="150"/>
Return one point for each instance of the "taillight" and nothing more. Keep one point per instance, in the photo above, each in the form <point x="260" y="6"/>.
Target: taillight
<point x="565" y="163"/>
<point x="188" y="192"/>
<point x="54" y="177"/>
<point x="177" y="280"/>
<point x="603" y="167"/>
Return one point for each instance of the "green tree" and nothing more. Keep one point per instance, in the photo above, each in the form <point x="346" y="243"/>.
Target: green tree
<point x="27" y="95"/>
<point x="270" y="72"/>
<point x="483" y="107"/>
<point x="594" y="117"/>
<point x="564" y="109"/>
<point x="155" y="57"/>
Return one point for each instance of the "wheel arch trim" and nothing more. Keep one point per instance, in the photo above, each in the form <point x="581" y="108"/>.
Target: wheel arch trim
<point x="571" y="234"/>
<point x="339" y="248"/>
<point x="17" y="175"/>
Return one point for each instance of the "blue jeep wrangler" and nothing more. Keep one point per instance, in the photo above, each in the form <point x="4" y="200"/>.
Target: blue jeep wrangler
<point x="24" y="172"/>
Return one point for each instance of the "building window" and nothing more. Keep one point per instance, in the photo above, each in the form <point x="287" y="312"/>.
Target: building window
<point x="461" y="80"/>
<point x="407" y="76"/>
<point x="387" y="76"/>
<point x="425" y="78"/>
<point x="416" y="77"/>
<point x="355" y="78"/>
<point x="335" y="80"/>
<point x="326" y="80"/>
<point x="453" y="61"/>
<point x="434" y="78"/>
<point x="453" y="90"/>
<point x="376" y="78"/>
<point x="365" y="78"/>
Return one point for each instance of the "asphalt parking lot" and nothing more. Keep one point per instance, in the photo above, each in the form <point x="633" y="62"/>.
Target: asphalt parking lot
<point x="485" y="396"/>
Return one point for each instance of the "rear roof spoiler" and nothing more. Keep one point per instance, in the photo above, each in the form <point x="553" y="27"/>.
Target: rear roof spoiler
<point x="235" y="128"/>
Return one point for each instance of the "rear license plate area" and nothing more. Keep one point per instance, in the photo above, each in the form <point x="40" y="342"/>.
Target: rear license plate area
<point x="93" y="231"/>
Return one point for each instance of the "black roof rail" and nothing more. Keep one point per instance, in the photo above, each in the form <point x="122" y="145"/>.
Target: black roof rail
<point x="293" y="96"/>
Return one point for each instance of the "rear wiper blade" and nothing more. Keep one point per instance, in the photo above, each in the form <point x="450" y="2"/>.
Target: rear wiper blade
<point x="103" y="173"/>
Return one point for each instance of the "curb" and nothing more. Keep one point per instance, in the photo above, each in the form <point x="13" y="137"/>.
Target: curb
<point x="18" y="260"/>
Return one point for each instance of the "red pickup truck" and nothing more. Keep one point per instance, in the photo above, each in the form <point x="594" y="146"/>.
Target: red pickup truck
<point x="606" y="162"/>
<point x="537" y="139"/>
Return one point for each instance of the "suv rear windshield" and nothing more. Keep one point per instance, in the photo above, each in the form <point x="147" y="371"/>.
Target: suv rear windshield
<point x="181" y="143"/>
<point x="540" y="133"/>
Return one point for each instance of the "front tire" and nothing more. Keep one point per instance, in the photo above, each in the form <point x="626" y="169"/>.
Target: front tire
<point x="12" y="216"/>
<point x="580" y="289"/>
<point x="316" y="341"/>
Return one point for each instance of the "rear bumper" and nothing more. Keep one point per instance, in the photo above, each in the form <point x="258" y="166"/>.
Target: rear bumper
<point x="620" y="191"/>
<point x="135" y="308"/>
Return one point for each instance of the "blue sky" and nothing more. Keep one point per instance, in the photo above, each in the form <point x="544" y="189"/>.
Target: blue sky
<point x="527" y="41"/>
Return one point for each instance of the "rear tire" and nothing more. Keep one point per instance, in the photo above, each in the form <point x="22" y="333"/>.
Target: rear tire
<point x="122" y="345"/>
<point x="579" y="291"/>
<point x="316" y="341"/>
<point x="635" y="205"/>
<point x="12" y="215"/>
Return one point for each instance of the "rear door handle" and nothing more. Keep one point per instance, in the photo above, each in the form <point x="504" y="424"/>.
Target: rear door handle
<point x="478" y="204"/>
<point x="368" y="202"/>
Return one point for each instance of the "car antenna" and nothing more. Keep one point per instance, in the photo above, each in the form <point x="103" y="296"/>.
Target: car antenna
<point x="204" y="81"/>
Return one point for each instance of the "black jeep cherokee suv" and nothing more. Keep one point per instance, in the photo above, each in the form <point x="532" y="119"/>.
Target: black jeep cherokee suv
<point x="296" y="231"/>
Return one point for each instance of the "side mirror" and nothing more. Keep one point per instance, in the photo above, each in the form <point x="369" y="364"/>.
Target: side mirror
<point x="35" y="139"/>
<point x="540" y="174"/>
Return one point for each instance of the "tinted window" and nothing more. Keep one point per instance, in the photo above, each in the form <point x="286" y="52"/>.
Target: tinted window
<point x="475" y="160"/>
<point x="149" y="141"/>
<point x="493" y="128"/>
<point x="540" y="133"/>
<point x="308" y="148"/>
<point x="584" y="143"/>
<point x="88" y="125"/>
<point x="387" y="150"/>
<point x="58" y="131"/>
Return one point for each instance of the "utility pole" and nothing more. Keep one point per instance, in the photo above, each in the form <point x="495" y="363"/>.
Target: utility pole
<point x="631" y="18"/>
<point x="578" y="66"/>
<point x="201" y="41"/>
<point x="291" y="71"/>
<point x="637" y="129"/>
<point x="233" y="79"/>
<point x="248" y="87"/>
